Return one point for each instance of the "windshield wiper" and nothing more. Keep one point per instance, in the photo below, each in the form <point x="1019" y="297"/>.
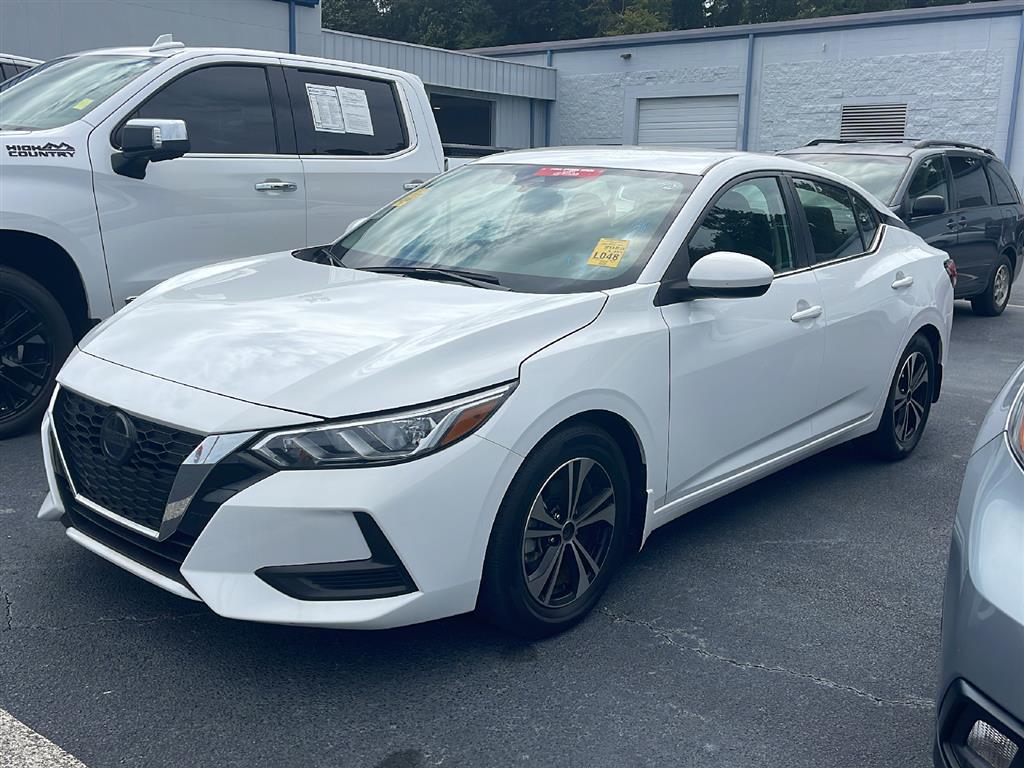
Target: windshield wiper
<point x="478" y="279"/>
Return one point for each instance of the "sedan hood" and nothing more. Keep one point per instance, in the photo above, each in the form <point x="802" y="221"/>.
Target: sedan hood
<point x="330" y="342"/>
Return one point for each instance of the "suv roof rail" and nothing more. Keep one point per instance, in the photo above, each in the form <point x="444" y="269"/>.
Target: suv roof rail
<point x="944" y="143"/>
<point x="816" y="142"/>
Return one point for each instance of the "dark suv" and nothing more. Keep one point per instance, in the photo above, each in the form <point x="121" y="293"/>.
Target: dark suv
<point x="959" y="197"/>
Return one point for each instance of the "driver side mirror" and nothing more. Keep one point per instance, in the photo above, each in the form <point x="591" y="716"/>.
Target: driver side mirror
<point x="721" y="275"/>
<point x="149" y="141"/>
<point x="928" y="205"/>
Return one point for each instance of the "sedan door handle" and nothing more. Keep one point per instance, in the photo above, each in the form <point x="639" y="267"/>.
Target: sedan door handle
<point x="807" y="314"/>
<point x="409" y="186"/>
<point x="902" y="282"/>
<point x="275" y="185"/>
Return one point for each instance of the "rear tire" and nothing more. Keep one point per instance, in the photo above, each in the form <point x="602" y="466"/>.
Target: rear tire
<point x="997" y="293"/>
<point x="35" y="340"/>
<point x="908" y="403"/>
<point x="550" y="558"/>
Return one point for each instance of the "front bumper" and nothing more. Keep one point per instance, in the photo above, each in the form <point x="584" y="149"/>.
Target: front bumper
<point x="273" y="551"/>
<point x="983" y="611"/>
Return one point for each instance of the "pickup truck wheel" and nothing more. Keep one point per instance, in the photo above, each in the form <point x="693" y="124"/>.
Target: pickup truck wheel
<point x="997" y="293"/>
<point x="35" y="339"/>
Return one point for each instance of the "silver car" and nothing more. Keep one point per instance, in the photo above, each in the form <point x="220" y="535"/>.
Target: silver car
<point x="980" y="721"/>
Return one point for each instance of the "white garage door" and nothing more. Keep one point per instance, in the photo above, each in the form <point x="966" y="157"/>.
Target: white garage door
<point x="689" y="121"/>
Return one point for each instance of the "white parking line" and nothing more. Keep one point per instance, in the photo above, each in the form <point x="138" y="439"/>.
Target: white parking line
<point x="21" y="747"/>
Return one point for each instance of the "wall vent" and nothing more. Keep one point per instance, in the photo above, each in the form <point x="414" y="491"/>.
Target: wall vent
<point x="878" y="122"/>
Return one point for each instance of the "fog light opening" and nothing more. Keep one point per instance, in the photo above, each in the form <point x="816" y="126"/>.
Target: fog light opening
<point x="990" y="745"/>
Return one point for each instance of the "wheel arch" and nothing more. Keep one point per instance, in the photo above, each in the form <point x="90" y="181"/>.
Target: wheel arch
<point x="50" y="265"/>
<point x="1011" y="253"/>
<point x="628" y="440"/>
<point x="933" y="336"/>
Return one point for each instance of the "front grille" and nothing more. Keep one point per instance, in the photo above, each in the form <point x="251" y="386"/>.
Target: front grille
<point x="136" y="489"/>
<point x="229" y="477"/>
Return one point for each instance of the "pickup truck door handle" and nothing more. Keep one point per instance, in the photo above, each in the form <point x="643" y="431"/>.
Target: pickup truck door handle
<point x="275" y="185"/>
<point x="409" y="186"/>
<point x="951" y="224"/>
<point x="902" y="282"/>
<point x="807" y="314"/>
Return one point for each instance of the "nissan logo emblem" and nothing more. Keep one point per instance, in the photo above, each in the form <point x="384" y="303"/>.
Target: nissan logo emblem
<point x="117" y="437"/>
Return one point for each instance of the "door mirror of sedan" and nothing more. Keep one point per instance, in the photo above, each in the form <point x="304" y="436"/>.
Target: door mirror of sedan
<point x="928" y="205"/>
<point x="721" y="275"/>
<point x="149" y="141"/>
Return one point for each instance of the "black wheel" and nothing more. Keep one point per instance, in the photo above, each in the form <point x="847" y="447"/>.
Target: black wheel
<point x="559" y="535"/>
<point x="909" y="403"/>
<point x="35" y="339"/>
<point x="997" y="294"/>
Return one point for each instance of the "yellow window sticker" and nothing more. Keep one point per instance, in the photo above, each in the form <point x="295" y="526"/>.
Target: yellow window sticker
<point x="410" y="197"/>
<point x="82" y="104"/>
<point x="608" y="253"/>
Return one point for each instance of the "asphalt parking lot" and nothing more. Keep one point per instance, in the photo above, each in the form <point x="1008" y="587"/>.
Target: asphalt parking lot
<point x="792" y="623"/>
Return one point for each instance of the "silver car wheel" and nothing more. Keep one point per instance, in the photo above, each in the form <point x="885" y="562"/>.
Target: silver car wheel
<point x="568" y="533"/>
<point x="911" y="398"/>
<point x="1001" y="286"/>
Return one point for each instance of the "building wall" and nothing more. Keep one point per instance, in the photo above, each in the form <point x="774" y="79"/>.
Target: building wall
<point x="956" y="78"/>
<point x="44" y="29"/>
<point x="956" y="75"/>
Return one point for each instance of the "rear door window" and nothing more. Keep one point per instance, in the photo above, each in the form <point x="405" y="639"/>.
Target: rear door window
<point x="1002" y="185"/>
<point x="344" y="115"/>
<point x="969" y="181"/>
<point x="226" y="109"/>
<point x="867" y="220"/>
<point x="835" y="233"/>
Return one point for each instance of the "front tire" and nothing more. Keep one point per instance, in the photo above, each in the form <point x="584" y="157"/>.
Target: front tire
<point x="559" y="535"/>
<point x="35" y="340"/>
<point x="997" y="293"/>
<point x="908" y="404"/>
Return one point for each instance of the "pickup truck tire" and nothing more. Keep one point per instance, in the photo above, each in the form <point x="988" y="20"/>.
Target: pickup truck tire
<point x="993" y="300"/>
<point x="35" y="340"/>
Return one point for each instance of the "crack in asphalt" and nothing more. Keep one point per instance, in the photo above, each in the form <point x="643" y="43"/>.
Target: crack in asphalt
<point x="669" y="636"/>
<point x="8" y="615"/>
<point x="101" y="621"/>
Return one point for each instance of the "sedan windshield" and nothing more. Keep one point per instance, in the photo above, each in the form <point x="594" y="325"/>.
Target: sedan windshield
<point x="878" y="174"/>
<point x="61" y="91"/>
<point x="530" y="228"/>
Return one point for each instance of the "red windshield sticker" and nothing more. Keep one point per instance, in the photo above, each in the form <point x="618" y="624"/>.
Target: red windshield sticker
<point x="572" y="173"/>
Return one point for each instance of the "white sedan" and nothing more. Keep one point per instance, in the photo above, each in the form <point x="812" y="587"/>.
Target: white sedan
<point x="489" y="392"/>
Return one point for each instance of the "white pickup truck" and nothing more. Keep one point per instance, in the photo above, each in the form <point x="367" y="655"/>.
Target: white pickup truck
<point x="122" y="167"/>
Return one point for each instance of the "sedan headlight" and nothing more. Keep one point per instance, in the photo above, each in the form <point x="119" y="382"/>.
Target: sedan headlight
<point x="380" y="439"/>
<point x="1015" y="428"/>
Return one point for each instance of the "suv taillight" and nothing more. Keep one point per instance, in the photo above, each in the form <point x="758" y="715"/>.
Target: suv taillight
<point x="950" y="266"/>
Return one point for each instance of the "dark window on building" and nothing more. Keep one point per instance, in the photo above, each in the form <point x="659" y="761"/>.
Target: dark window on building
<point x="356" y="115"/>
<point x="461" y="120"/>
<point x="1003" y="186"/>
<point x="750" y="218"/>
<point x="969" y="182"/>
<point x="930" y="178"/>
<point x="226" y="108"/>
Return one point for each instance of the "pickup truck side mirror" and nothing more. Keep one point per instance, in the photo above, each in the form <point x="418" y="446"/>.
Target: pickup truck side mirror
<point x="928" y="205"/>
<point x="722" y="275"/>
<point x="149" y="141"/>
